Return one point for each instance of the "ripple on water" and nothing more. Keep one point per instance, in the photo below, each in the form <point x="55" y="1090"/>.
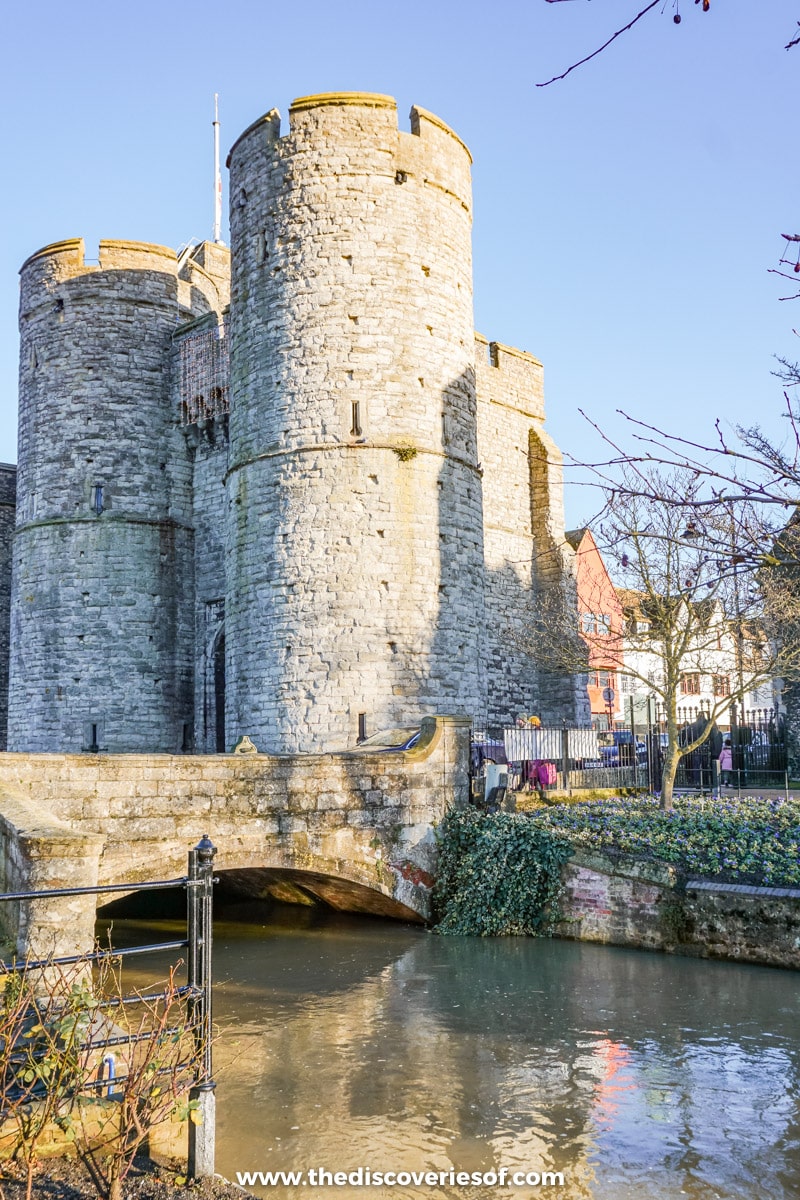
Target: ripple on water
<point x="354" y="1044"/>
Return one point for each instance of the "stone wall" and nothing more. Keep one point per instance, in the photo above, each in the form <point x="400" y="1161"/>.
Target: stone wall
<point x="38" y="851"/>
<point x="205" y="278"/>
<point x="523" y="534"/>
<point x="328" y="561"/>
<point x="627" y="902"/>
<point x="207" y="442"/>
<point x="354" y="828"/>
<point x="210" y="464"/>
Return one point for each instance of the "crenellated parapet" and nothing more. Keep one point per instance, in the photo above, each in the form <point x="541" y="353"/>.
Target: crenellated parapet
<point x="431" y="152"/>
<point x="204" y="275"/>
<point x="62" y="263"/>
<point x="509" y="377"/>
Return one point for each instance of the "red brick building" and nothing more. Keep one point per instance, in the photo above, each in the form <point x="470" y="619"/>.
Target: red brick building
<point x="601" y="626"/>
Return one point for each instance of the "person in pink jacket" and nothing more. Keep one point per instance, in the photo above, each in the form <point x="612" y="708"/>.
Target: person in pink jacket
<point x="726" y="763"/>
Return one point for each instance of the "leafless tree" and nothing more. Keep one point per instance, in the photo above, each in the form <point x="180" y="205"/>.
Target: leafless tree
<point x="56" y="1026"/>
<point x="695" y="604"/>
<point x="159" y="1059"/>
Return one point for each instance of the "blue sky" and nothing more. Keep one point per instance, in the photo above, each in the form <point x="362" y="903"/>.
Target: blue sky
<point x="625" y="218"/>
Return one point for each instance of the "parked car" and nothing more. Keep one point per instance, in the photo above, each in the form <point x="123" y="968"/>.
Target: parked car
<point x="758" y="750"/>
<point x="621" y="752"/>
<point x="488" y="750"/>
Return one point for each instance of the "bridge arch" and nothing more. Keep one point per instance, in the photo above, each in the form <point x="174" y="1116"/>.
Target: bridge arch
<point x="290" y="885"/>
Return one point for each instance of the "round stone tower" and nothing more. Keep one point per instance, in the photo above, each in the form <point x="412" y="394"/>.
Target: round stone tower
<point x="354" y="582"/>
<point x="101" y="632"/>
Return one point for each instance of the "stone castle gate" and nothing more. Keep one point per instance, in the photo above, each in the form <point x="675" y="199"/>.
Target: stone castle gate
<point x="353" y="829"/>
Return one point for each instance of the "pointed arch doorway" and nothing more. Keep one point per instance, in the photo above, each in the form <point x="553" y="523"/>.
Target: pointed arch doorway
<point x="218" y="682"/>
<point x="213" y="732"/>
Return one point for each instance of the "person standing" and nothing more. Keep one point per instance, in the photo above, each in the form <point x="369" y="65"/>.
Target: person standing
<point x="726" y="763"/>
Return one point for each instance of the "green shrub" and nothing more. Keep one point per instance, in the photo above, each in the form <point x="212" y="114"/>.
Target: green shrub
<point x="497" y="874"/>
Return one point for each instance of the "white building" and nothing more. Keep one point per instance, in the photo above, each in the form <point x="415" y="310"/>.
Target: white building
<point x="714" y="669"/>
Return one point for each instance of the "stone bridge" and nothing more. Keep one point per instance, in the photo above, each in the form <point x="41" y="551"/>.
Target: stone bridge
<point x="353" y="829"/>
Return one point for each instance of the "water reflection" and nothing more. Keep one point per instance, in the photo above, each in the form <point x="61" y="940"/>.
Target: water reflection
<point x="356" y="1043"/>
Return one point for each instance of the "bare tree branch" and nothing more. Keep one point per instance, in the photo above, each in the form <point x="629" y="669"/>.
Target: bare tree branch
<point x="707" y="588"/>
<point x="600" y="49"/>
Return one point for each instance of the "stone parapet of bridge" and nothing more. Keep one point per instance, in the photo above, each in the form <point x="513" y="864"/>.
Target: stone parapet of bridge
<point x="354" y="829"/>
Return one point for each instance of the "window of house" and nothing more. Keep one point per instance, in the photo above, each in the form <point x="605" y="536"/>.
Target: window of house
<point x="604" y="679"/>
<point x="627" y="685"/>
<point x="596" y="623"/>
<point x="690" y="684"/>
<point x="722" y="685"/>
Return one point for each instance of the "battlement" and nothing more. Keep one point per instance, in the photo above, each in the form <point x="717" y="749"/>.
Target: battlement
<point x="337" y="99"/>
<point x="68" y="257"/>
<point x="427" y="124"/>
<point x="509" y="376"/>
<point x="70" y="250"/>
<point x="116" y="255"/>
<point x="423" y="123"/>
<point x="65" y="262"/>
<point x="204" y="275"/>
<point x="204" y="271"/>
<point x="508" y="358"/>
<point x="432" y="153"/>
<point x="214" y="258"/>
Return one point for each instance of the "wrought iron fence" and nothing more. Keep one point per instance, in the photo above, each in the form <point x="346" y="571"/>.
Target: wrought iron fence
<point x="510" y="758"/>
<point x="197" y="992"/>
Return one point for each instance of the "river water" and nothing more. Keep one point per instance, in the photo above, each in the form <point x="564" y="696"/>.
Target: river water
<point x="353" y="1043"/>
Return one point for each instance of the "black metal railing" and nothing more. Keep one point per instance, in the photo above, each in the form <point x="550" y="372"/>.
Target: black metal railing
<point x="197" y="992"/>
<point x="627" y="757"/>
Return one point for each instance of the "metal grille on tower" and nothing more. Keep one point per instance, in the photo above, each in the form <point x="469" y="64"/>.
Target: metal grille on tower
<point x="204" y="375"/>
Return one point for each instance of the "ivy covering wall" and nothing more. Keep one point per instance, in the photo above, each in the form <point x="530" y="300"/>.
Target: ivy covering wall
<point x="497" y="875"/>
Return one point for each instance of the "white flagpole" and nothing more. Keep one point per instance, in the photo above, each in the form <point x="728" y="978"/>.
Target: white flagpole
<point x="217" y="176"/>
